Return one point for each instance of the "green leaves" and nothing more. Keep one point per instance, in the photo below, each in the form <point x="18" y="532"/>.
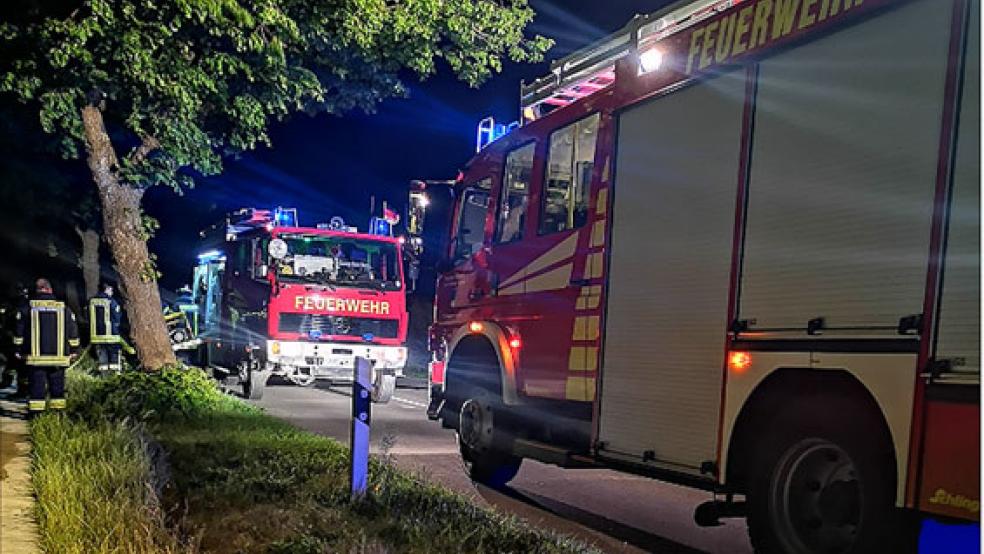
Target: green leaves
<point x="207" y="78"/>
<point x="59" y="115"/>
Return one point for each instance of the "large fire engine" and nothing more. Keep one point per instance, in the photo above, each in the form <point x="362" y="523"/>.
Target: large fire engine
<point x="736" y="246"/>
<point x="274" y="298"/>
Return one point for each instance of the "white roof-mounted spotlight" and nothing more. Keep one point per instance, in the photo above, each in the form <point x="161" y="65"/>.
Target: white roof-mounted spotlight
<point x="650" y="60"/>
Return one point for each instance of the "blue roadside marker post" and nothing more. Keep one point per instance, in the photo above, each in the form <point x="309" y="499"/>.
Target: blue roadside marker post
<point x="361" y="415"/>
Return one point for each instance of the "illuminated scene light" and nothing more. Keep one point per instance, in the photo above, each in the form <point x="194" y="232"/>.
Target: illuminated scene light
<point x="650" y="60"/>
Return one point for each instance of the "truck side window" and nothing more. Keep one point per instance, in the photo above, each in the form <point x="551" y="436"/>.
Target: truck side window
<point x="259" y="255"/>
<point x="515" y="194"/>
<point x="569" y="167"/>
<point x="471" y="222"/>
<point x="240" y="264"/>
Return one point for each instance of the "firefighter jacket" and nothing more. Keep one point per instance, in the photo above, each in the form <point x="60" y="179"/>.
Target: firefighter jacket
<point x="104" y="320"/>
<point x="46" y="331"/>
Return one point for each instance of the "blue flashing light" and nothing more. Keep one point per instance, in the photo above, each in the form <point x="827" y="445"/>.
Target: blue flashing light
<point x="381" y="227"/>
<point x="210" y="256"/>
<point x="490" y="131"/>
<point x="285" y="217"/>
<point x="314" y="334"/>
<point x="368" y="337"/>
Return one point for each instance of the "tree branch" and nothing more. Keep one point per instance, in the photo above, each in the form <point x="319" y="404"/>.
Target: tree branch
<point x="140" y="153"/>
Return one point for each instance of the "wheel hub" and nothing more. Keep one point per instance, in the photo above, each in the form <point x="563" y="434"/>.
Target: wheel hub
<point x="301" y="378"/>
<point x="817" y="498"/>
<point x="475" y="428"/>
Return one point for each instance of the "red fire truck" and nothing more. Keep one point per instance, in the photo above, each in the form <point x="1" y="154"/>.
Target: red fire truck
<point x="275" y="298"/>
<point x="736" y="246"/>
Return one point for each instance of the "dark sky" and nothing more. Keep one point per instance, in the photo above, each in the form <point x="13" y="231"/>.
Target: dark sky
<point x="327" y="166"/>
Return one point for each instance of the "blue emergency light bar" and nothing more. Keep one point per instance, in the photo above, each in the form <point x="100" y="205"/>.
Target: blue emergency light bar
<point x="489" y="131"/>
<point x="211" y="255"/>
<point x="381" y="227"/>
<point x="285" y="217"/>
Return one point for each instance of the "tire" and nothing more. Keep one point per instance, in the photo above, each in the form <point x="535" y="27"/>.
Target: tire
<point x="483" y="446"/>
<point x="253" y="382"/>
<point x="823" y="481"/>
<point x="306" y="381"/>
<point x="474" y="390"/>
<point x="383" y="388"/>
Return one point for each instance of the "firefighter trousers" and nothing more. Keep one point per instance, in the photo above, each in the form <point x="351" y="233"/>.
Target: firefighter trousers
<point x="109" y="357"/>
<point x="46" y="382"/>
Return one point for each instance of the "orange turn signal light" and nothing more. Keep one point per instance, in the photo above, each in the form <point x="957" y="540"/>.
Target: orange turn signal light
<point x="739" y="361"/>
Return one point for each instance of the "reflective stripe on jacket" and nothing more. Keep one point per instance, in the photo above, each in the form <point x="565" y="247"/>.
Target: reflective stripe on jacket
<point x="46" y="332"/>
<point x="104" y="320"/>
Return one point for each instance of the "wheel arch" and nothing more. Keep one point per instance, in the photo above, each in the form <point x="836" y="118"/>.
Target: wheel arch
<point x="793" y="385"/>
<point x="497" y="339"/>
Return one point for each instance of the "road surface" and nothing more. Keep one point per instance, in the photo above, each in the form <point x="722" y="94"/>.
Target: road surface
<point x="616" y="512"/>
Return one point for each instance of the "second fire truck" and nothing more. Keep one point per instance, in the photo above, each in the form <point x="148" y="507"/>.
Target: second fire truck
<point x="736" y="246"/>
<point x="276" y="298"/>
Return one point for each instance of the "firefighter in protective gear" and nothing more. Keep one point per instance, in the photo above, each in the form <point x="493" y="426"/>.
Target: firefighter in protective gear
<point x="15" y="363"/>
<point x="47" y="335"/>
<point x="104" y="329"/>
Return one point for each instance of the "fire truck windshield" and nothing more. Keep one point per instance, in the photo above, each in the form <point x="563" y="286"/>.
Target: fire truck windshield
<point x="339" y="261"/>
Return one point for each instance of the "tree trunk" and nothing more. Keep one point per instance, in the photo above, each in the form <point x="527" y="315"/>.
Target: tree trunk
<point x="123" y="229"/>
<point x="89" y="260"/>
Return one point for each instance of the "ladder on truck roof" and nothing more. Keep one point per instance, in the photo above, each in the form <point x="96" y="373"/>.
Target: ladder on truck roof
<point x="593" y="68"/>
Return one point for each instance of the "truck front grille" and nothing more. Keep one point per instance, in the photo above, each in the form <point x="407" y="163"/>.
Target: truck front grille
<point x="338" y="325"/>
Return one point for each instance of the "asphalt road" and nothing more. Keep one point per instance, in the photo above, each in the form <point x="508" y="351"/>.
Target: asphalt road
<point x="616" y="512"/>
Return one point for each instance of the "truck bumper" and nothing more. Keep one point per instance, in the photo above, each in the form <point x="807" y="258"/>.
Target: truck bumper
<point x="332" y="360"/>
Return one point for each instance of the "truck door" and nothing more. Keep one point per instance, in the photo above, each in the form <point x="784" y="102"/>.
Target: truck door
<point x="207" y="293"/>
<point x="459" y="289"/>
<point x="511" y="250"/>
<point x="673" y="209"/>
<point x="559" y="343"/>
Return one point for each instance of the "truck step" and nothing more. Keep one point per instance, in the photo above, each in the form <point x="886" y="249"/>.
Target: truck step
<point x="710" y="513"/>
<point x="550" y="454"/>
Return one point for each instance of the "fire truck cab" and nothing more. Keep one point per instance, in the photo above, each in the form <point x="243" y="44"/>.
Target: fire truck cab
<point x="275" y="298"/>
<point x="735" y="245"/>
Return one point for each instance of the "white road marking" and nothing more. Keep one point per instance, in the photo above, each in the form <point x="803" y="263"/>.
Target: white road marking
<point x="410" y="402"/>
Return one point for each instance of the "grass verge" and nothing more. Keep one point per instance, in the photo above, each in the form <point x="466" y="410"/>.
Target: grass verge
<point x="241" y="481"/>
<point x="94" y="482"/>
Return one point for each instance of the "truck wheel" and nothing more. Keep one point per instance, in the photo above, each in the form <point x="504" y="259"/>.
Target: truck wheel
<point x="824" y="483"/>
<point x="302" y="379"/>
<point x="178" y="336"/>
<point x="383" y="387"/>
<point x="480" y="443"/>
<point x="253" y="382"/>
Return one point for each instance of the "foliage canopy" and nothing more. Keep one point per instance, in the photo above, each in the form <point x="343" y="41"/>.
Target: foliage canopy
<point x="183" y="83"/>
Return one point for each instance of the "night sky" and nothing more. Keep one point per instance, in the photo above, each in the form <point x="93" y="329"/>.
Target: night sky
<point x="330" y="165"/>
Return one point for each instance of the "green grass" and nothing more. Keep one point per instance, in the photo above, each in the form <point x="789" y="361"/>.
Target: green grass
<point x="94" y="489"/>
<point x="241" y="481"/>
